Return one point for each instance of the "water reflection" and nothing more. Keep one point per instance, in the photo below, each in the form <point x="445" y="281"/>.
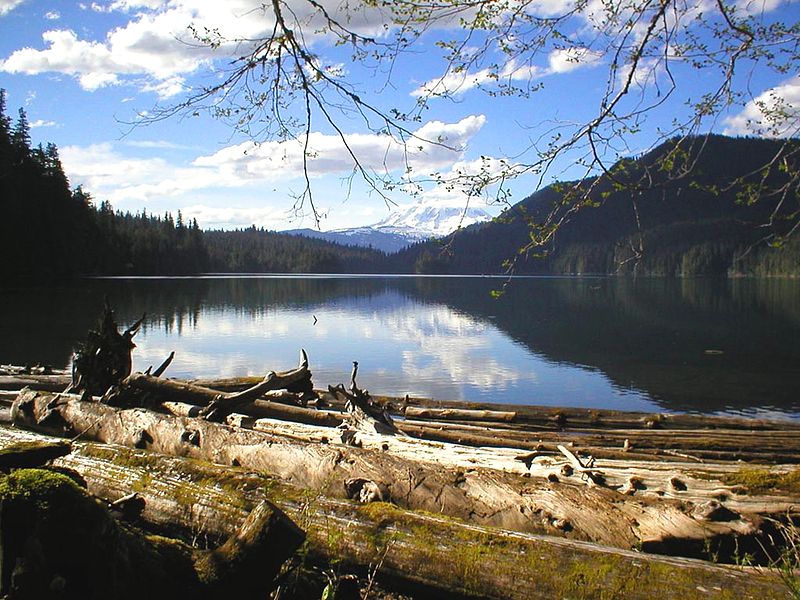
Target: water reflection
<point x="639" y="344"/>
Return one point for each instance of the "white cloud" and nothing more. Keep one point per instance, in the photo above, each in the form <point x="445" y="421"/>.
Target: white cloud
<point x="127" y="5"/>
<point x="559" y="61"/>
<point x="42" y="123"/>
<point x="231" y="217"/>
<point x="52" y="15"/>
<point x="156" y="43"/>
<point x="569" y="59"/>
<point x="167" y="88"/>
<point x="436" y="145"/>
<point x="161" y="144"/>
<point x="774" y="113"/>
<point x="6" y="6"/>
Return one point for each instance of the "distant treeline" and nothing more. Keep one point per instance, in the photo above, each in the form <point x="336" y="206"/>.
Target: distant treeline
<point x="679" y="226"/>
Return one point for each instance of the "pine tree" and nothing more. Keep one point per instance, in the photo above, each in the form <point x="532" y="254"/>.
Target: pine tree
<point x="5" y="121"/>
<point x="21" y="137"/>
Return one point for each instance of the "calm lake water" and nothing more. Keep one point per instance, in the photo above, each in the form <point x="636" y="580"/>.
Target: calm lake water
<point x="648" y="344"/>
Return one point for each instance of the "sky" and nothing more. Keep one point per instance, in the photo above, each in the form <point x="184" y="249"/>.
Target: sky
<point x="86" y="72"/>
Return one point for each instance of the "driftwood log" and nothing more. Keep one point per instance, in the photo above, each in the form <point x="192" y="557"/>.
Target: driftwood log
<point x="105" y="358"/>
<point x="406" y="547"/>
<point x="503" y="487"/>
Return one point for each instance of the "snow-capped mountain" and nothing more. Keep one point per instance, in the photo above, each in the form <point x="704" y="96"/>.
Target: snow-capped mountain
<point x="428" y="220"/>
<point x="405" y="226"/>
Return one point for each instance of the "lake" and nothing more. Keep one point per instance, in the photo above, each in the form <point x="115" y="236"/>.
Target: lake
<point x="705" y="345"/>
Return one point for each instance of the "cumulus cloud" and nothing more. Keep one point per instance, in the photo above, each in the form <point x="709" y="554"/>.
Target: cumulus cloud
<point x="52" y="15"/>
<point x="774" y="113"/>
<point x="559" y="61"/>
<point x="564" y="60"/>
<point x="6" y="6"/>
<point x="436" y="145"/>
<point x="156" y="48"/>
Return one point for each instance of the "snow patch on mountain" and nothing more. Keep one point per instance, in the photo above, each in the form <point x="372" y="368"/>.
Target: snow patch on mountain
<point x="432" y="221"/>
<point x="403" y="227"/>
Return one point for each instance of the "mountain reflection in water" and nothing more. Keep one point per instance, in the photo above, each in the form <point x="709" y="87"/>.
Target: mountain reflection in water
<point x="646" y="344"/>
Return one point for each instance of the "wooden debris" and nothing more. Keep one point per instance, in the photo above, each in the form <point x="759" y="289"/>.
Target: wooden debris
<point x="459" y="414"/>
<point x="483" y="485"/>
<point x="216" y="405"/>
<point x="59" y="542"/>
<point x="26" y="455"/>
<point x="594" y="476"/>
<point x="363" y="413"/>
<point x="105" y="358"/>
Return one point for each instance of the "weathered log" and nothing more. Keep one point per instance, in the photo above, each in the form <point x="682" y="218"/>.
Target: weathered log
<point x="457" y="414"/>
<point x="33" y="454"/>
<point x="414" y="551"/>
<point x="59" y="543"/>
<point x="105" y="358"/>
<point x="216" y="405"/>
<point x="362" y="413"/>
<point x="246" y="565"/>
<point x="714" y="438"/>
<point x="266" y="409"/>
<point x="485" y="485"/>
<point x="49" y="383"/>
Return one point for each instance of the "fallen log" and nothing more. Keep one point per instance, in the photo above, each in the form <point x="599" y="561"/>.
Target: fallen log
<point x="59" y="542"/>
<point x="362" y="413"/>
<point x="266" y="409"/>
<point x="216" y="405"/>
<point x="456" y="414"/>
<point x="49" y="383"/>
<point x="488" y="486"/>
<point x="413" y="551"/>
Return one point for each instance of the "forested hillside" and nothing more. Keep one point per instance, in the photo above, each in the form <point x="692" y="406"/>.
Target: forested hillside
<point x="671" y="212"/>
<point x="48" y="230"/>
<point x="651" y="215"/>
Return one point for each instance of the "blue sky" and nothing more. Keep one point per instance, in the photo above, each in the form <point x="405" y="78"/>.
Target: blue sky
<point x="83" y="72"/>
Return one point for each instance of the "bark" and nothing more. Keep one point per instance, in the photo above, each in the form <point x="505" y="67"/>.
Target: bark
<point x="415" y="552"/>
<point x="58" y="542"/>
<point x="266" y="409"/>
<point x="489" y="486"/>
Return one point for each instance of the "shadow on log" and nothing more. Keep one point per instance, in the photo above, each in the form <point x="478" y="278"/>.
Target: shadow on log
<point x="58" y="542"/>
